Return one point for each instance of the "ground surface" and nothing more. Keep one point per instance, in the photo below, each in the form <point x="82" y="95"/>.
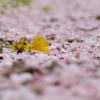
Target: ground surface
<point x="71" y="71"/>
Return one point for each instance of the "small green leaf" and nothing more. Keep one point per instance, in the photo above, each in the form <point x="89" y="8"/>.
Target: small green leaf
<point x="47" y="9"/>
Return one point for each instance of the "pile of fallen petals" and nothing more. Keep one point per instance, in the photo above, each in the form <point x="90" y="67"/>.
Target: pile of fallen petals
<point x="71" y="70"/>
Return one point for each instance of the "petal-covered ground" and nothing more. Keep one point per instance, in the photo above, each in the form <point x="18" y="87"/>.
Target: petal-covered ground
<point x="71" y="70"/>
